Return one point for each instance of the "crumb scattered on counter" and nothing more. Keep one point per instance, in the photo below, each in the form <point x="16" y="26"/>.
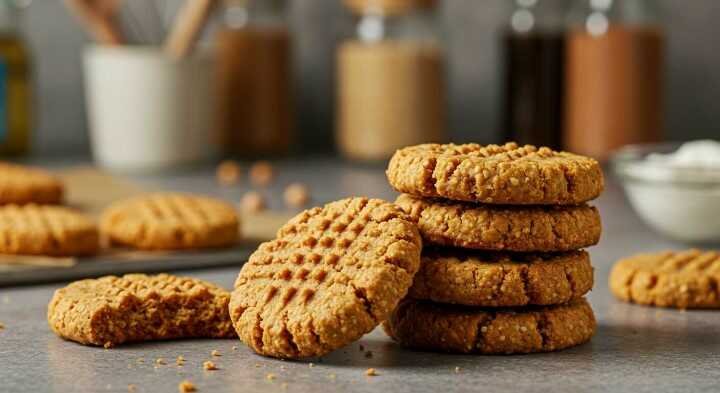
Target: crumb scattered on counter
<point x="107" y="345"/>
<point x="141" y="360"/>
<point x="296" y="195"/>
<point x="209" y="366"/>
<point x="228" y="173"/>
<point x="215" y="352"/>
<point x="186" y="387"/>
<point x="234" y="347"/>
<point x="252" y="202"/>
<point x="261" y="173"/>
<point x="270" y="376"/>
<point x="180" y="360"/>
<point x="2" y="326"/>
<point x="371" y="372"/>
<point x="160" y="361"/>
<point x="311" y="365"/>
<point x="257" y="365"/>
<point x="457" y="369"/>
<point x="132" y="388"/>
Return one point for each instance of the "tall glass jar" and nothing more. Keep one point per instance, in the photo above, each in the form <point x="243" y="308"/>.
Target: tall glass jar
<point x="533" y="45"/>
<point x="614" y="76"/>
<point x="391" y="79"/>
<point x="255" y="115"/>
<point x="15" y="83"/>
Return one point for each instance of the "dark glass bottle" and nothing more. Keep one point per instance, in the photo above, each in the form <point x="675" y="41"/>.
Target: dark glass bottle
<point x="533" y="53"/>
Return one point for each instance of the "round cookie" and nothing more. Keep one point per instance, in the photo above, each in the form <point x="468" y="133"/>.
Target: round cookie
<point x="500" y="279"/>
<point x="431" y="326"/>
<point x="331" y="275"/>
<point x="507" y="174"/>
<point x="22" y="185"/>
<point x="46" y="230"/>
<point x="511" y="228"/>
<point x="684" y="279"/>
<point x="171" y="221"/>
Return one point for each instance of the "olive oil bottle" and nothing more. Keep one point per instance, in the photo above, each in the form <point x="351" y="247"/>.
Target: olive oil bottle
<point x="15" y="84"/>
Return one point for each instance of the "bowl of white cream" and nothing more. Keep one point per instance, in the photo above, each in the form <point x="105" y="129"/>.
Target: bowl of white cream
<point x="674" y="188"/>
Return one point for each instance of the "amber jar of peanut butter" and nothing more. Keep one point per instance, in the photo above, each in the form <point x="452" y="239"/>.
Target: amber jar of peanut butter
<point x="254" y="112"/>
<point x="613" y="76"/>
<point x="391" y="87"/>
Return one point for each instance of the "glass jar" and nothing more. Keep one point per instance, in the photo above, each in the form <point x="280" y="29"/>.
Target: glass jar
<point x="255" y="95"/>
<point x="15" y="83"/>
<point x="391" y="79"/>
<point x="533" y="45"/>
<point x="614" y="76"/>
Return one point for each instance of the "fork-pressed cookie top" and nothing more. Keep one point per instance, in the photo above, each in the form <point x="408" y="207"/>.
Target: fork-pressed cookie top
<point x="331" y="275"/>
<point x="171" y="221"/>
<point x="137" y="307"/>
<point x="20" y="185"/>
<point x="507" y="174"/>
<point x="501" y="227"/>
<point x="46" y="230"/>
<point x="681" y="279"/>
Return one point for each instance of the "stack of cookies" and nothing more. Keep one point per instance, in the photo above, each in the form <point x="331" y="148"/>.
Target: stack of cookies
<point x="503" y="227"/>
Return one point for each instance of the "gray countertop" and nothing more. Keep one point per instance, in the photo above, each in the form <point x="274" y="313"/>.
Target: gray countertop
<point x="636" y="348"/>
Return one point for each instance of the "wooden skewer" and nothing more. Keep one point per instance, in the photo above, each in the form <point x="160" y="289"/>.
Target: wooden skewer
<point x="187" y="27"/>
<point x="99" y="19"/>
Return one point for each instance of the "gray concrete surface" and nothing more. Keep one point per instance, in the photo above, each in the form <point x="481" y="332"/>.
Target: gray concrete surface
<point x="636" y="349"/>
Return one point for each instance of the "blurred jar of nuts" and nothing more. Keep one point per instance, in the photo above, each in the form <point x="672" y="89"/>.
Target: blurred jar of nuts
<point x="391" y="78"/>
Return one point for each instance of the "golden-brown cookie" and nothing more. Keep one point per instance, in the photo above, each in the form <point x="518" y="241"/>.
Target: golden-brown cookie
<point x="491" y="279"/>
<point x="20" y="185"/>
<point x="170" y="221"/>
<point x="507" y="174"/>
<point x="437" y="327"/>
<point x="511" y="228"/>
<point x="331" y="275"/>
<point x="46" y="230"/>
<point x="113" y="310"/>
<point x="680" y="279"/>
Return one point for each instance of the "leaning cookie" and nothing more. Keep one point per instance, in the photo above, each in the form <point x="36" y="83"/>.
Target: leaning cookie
<point x="496" y="227"/>
<point x="507" y="174"/>
<point x="437" y="327"/>
<point x="490" y="279"/>
<point x="171" y="221"/>
<point x="21" y="185"/>
<point x="678" y="279"/>
<point x="114" y="310"/>
<point x="46" y="230"/>
<point x="331" y="275"/>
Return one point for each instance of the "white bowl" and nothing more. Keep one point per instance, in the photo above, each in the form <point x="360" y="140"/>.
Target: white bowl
<point x="681" y="203"/>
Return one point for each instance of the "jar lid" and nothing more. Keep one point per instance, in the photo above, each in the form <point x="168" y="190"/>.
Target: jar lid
<point x="388" y="7"/>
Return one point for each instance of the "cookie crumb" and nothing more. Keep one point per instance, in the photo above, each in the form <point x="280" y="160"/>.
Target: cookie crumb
<point x="186" y="387"/>
<point x="252" y="202"/>
<point x="296" y="195"/>
<point x="258" y="365"/>
<point x="215" y="352"/>
<point x="369" y="354"/>
<point x="234" y="347"/>
<point x="141" y="360"/>
<point x="160" y="361"/>
<point x="132" y="388"/>
<point x="270" y="376"/>
<point x="457" y="369"/>
<point x="2" y="326"/>
<point x="108" y="345"/>
<point x="261" y="173"/>
<point x="311" y="365"/>
<point x="228" y="173"/>
<point x="209" y="366"/>
<point x="371" y="372"/>
<point x="180" y="360"/>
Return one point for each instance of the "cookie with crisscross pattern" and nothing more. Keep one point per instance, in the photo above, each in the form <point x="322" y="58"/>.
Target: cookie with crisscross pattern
<point x="331" y="275"/>
<point x="168" y="221"/>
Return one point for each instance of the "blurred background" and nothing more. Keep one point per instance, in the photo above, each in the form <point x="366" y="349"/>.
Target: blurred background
<point x="475" y="60"/>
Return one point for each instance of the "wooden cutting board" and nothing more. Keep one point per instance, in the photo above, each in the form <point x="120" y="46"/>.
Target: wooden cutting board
<point x="90" y="190"/>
